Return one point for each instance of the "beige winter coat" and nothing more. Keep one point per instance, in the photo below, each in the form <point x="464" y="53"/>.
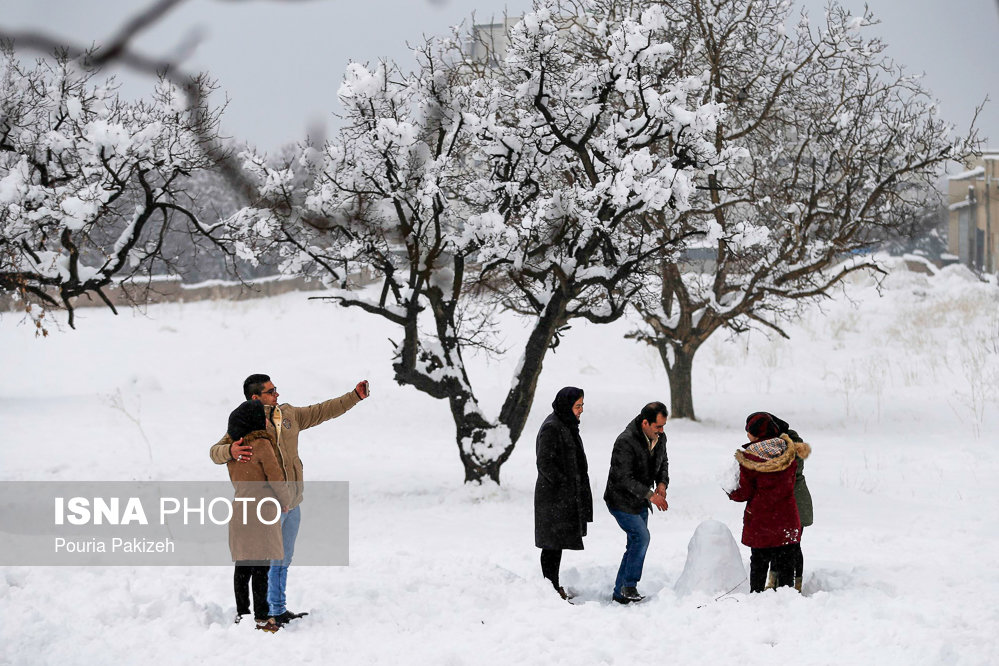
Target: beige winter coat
<point x="292" y="421"/>
<point x="262" y="477"/>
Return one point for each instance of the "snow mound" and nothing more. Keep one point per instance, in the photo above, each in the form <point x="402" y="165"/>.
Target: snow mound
<point x="958" y="272"/>
<point x="713" y="562"/>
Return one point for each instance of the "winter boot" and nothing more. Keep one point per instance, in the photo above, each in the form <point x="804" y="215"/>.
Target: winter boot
<point x="797" y="582"/>
<point x="771" y="580"/>
<point x="268" y="625"/>
<point x="287" y="616"/>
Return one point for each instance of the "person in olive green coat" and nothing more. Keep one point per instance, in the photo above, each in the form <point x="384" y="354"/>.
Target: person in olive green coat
<point x="802" y="497"/>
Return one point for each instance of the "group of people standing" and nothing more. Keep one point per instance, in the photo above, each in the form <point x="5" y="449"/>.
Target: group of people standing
<point x="260" y="450"/>
<point x="771" y="482"/>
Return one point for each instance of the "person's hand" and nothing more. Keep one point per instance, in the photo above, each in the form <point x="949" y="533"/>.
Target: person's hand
<point x="661" y="490"/>
<point x="240" y="452"/>
<point x="659" y="501"/>
<point x="362" y="389"/>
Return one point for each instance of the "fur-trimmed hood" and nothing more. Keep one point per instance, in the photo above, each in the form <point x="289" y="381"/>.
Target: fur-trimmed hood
<point x="777" y="463"/>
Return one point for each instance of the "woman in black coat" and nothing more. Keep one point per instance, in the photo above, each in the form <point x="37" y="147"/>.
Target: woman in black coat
<point x="563" y="503"/>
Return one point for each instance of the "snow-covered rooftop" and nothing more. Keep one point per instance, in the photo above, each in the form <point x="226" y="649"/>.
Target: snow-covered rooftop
<point x="977" y="171"/>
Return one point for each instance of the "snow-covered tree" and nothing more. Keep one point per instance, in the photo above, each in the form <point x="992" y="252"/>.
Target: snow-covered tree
<point x="536" y="184"/>
<point x="89" y="182"/>
<point x="595" y="142"/>
<point x="841" y="150"/>
<point x="211" y="196"/>
<point x="383" y="200"/>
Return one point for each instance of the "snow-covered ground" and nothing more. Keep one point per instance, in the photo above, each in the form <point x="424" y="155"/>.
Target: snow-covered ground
<point x="898" y="396"/>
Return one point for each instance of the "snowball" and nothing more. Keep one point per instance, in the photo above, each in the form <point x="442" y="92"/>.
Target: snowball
<point x="729" y="477"/>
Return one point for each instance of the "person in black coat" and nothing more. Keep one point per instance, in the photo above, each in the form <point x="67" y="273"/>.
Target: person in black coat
<point x="563" y="503"/>
<point x="639" y="475"/>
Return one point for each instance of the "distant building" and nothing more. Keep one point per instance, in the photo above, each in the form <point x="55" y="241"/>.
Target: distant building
<point x="488" y="42"/>
<point x="973" y="221"/>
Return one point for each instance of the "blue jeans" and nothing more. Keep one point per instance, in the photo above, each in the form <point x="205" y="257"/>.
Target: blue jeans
<point x="636" y="526"/>
<point x="277" y="576"/>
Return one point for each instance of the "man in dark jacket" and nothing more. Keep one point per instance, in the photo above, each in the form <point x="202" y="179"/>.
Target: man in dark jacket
<point x="639" y="475"/>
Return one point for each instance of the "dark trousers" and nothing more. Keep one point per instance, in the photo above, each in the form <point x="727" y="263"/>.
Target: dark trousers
<point x="551" y="559"/>
<point x="799" y="558"/>
<point x="251" y="573"/>
<point x="780" y="559"/>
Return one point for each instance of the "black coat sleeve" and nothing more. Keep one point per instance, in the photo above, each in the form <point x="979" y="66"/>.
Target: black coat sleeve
<point x="550" y="459"/>
<point x="662" y="466"/>
<point x="622" y="469"/>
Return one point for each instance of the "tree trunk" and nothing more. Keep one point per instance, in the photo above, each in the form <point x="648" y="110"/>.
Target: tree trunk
<point x="679" y="364"/>
<point x="471" y="427"/>
<point x="476" y="472"/>
<point x="472" y="430"/>
<point x="517" y="405"/>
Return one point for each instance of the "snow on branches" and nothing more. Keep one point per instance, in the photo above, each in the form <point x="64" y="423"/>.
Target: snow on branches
<point x="590" y="132"/>
<point x="82" y="175"/>
<point x="539" y="184"/>
<point x="839" y="149"/>
<point x="386" y="200"/>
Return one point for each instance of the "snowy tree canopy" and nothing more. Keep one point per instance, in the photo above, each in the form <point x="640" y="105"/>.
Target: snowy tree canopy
<point x="533" y="181"/>
<point x="591" y="134"/>
<point x="839" y="148"/>
<point x="88" y="181"/>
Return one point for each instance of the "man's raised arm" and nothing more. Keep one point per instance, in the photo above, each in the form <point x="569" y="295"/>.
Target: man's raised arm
<point x="313" y="415"/>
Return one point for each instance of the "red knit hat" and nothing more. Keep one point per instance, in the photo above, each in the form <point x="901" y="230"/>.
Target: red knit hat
<point x="761" y="426"/>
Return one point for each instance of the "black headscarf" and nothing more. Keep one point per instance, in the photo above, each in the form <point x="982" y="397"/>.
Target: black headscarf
<point x="564" y="400"/>
<point x="781" y="424"/>
<point x="246" y="418"/>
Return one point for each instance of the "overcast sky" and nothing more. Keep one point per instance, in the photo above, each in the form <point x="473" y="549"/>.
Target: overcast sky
<point x="281" y="62"/>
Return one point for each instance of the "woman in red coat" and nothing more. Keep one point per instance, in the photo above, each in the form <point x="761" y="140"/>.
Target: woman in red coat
<point x="770" y="524"/>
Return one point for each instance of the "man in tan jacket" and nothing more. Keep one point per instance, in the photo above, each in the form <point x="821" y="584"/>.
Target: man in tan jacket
<point x="284" y="422"/>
